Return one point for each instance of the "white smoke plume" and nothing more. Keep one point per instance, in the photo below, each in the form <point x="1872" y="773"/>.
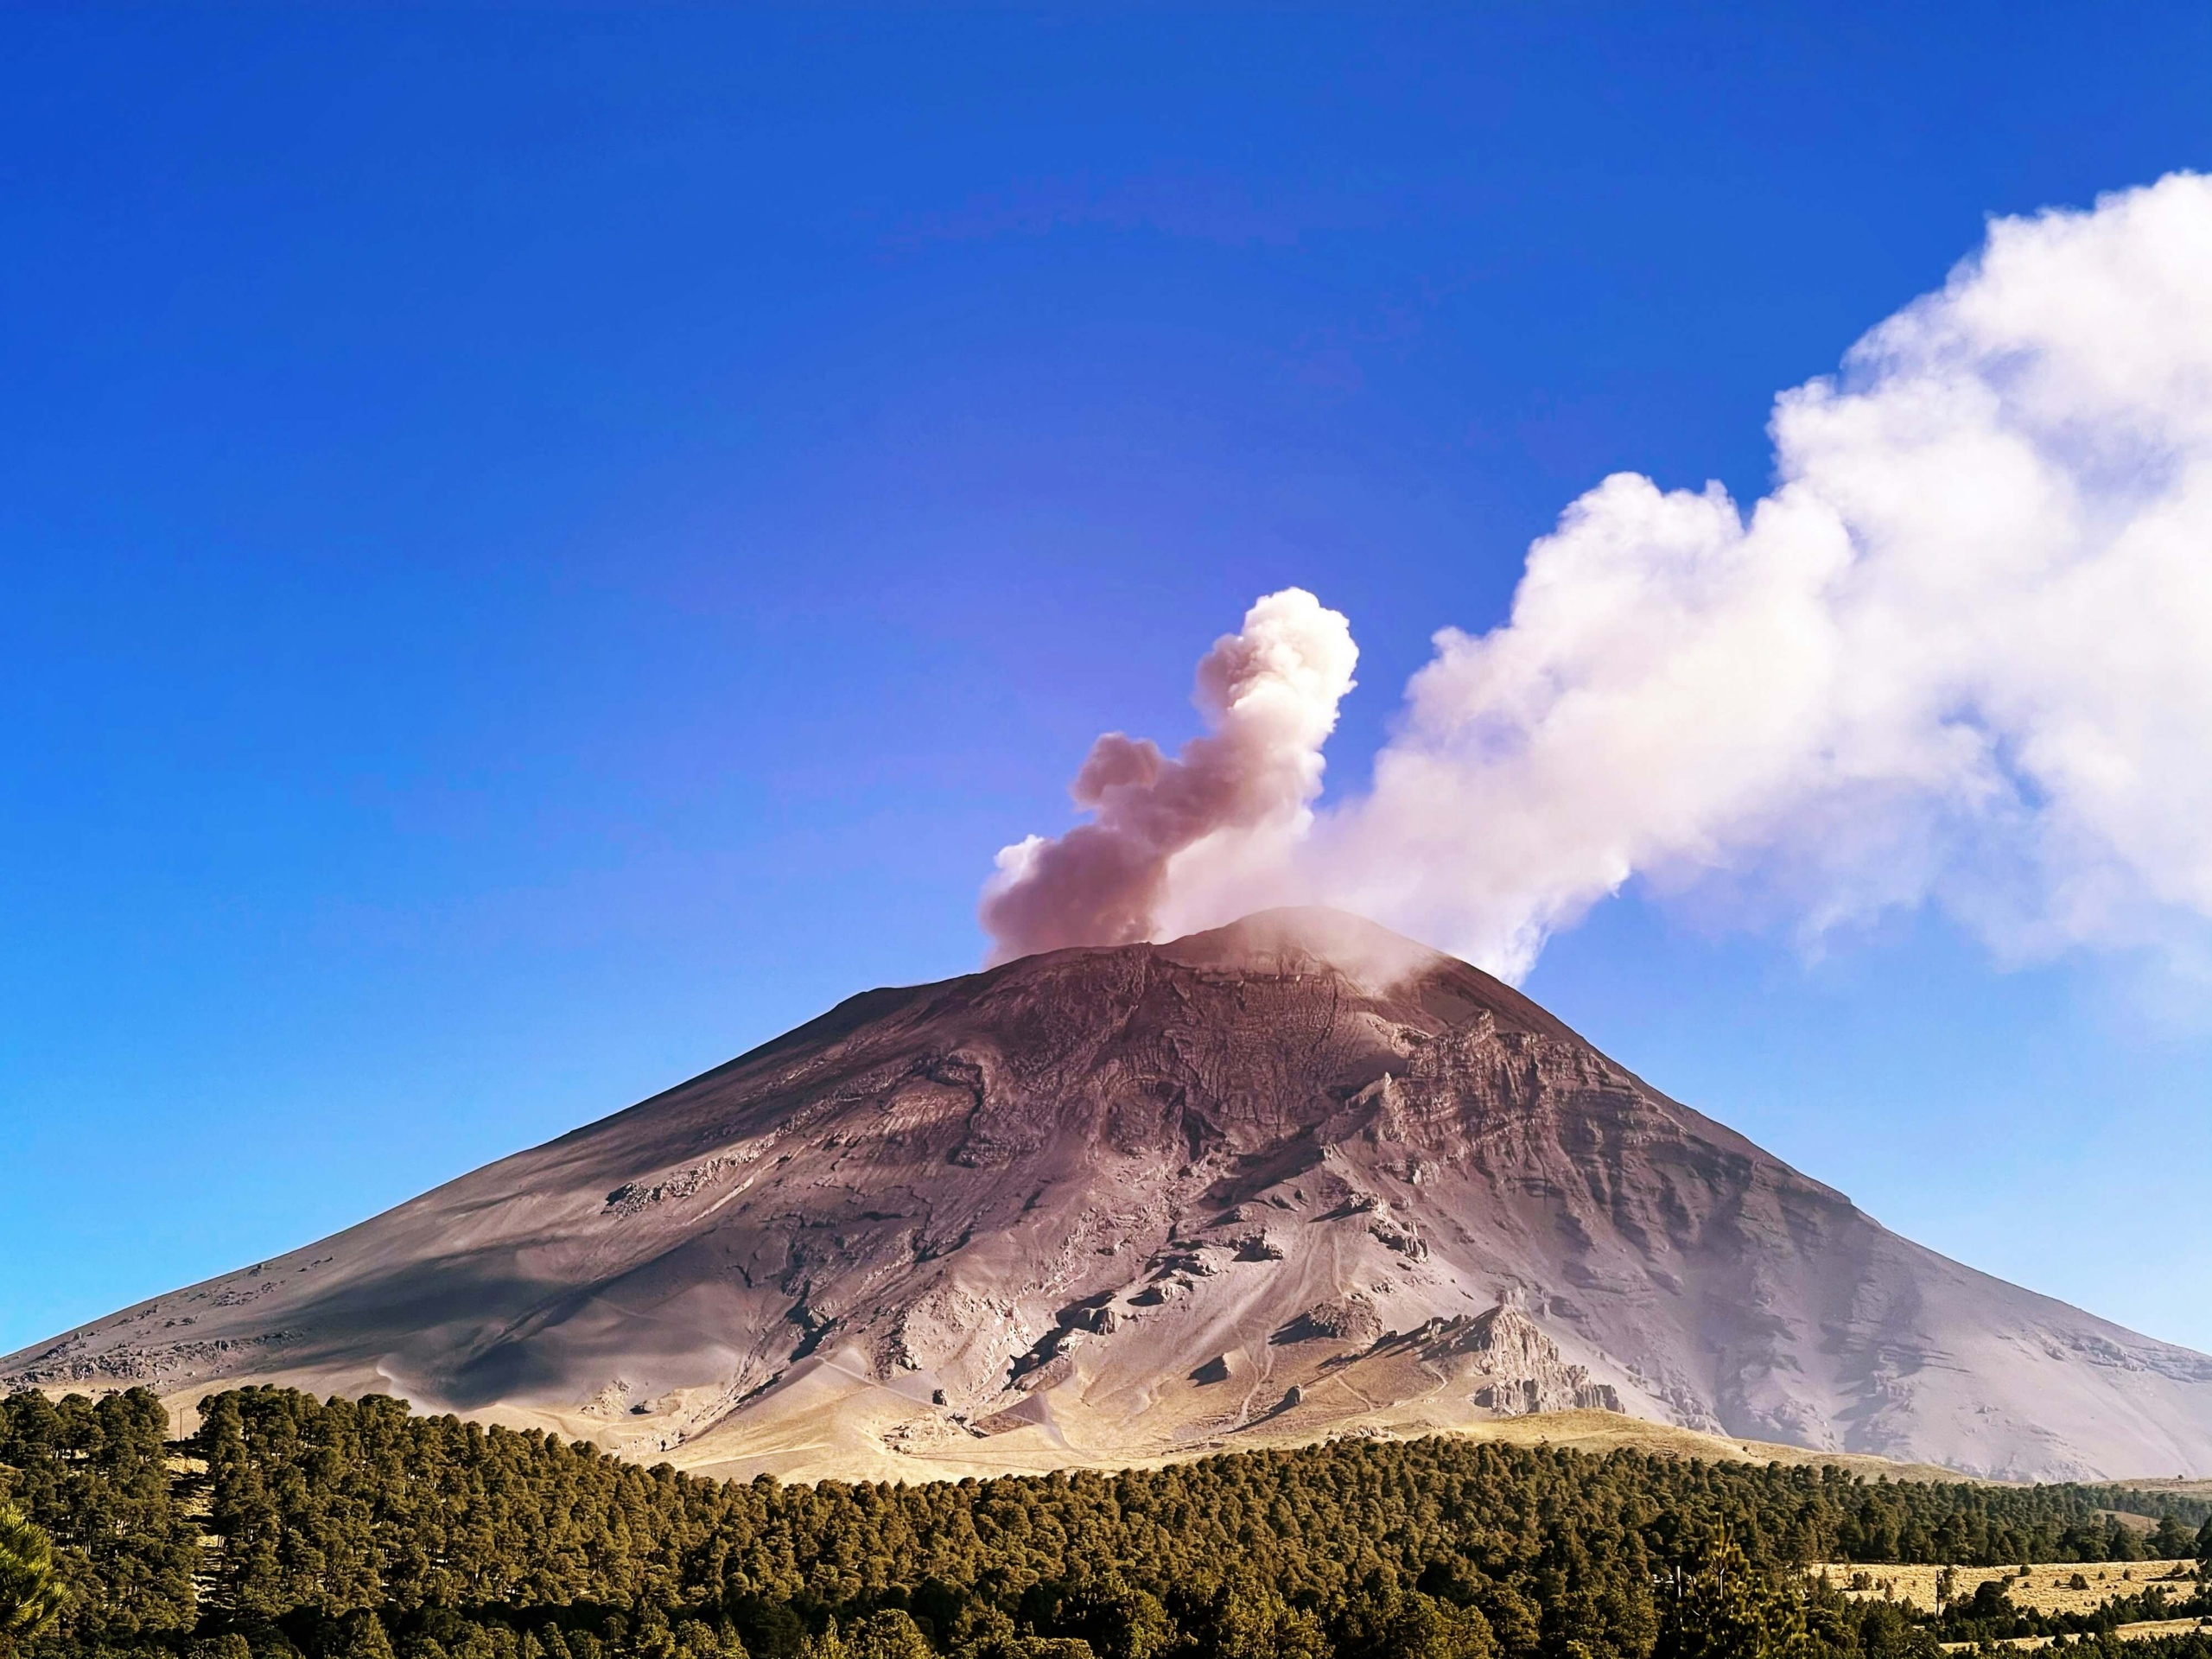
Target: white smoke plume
<point x="1961" y="654"/>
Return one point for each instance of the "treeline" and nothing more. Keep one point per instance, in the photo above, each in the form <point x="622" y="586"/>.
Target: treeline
<point x="2184" y="1510"/>
<point x="357" y="1530"/>
<point x="97" y="1477"/>
<point x="1990" y="1614"/>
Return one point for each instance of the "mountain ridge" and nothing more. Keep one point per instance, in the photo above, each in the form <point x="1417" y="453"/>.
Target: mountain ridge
<point x="1114" y="1203"/>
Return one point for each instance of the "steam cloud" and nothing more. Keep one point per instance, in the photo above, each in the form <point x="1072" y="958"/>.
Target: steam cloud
<point x="1961" y="654"/>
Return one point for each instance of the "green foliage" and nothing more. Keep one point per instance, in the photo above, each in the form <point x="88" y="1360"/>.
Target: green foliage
<point x="361" y="1635"/>
<point x="1247" y="1619"/>
<point x="1989" y="1615"/>
<point x="354" y="1529"/>
<point x="1386" y="1622"/>
<point x="31" y="1593"/>
<point x="1723" y="1607"/>
<point x="1114" y="1619"/>
<point x="2172" y="1540"/>
<point x="2189" y="1510"/>
<point x="339" y="1505"/>
<point x="889" y="1634"/>
<point x="95" y="1477"/>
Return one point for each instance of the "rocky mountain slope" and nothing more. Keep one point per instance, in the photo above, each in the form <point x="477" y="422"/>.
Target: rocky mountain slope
<point x="1295" y="1176"/>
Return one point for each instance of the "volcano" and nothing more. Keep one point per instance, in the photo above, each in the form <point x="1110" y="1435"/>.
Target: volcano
<point x="1294" y="1178"/>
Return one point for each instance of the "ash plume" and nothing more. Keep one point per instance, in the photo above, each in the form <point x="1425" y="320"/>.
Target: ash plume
<point x="1960" y="655"/>
<point x="1269" y="693"/>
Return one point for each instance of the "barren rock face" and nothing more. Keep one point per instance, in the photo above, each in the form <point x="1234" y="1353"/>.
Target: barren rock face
<point x="1104" y="1204"/>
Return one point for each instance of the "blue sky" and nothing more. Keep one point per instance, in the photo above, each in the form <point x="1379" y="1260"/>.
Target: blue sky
<point x="544" y="547"/>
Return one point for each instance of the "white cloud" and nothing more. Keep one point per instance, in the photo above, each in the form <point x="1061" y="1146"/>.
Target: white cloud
<point x="1961" y="654"/>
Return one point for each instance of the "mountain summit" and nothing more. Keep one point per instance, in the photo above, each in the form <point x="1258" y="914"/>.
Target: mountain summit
<point x="1294" y="1177"/>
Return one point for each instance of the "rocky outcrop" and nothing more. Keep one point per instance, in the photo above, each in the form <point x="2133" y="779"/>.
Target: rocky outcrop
<point x="1102" y="1203"/>
<point x="1351" y="1319"/>
<point x="1523" y="1370"/>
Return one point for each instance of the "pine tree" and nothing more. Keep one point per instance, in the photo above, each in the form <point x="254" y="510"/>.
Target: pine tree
<point x="2172" y="1540"/>
<point x="1386" y="1622"/>
<point x="1118" y="1620"/>
<point x="31" y="1595"/>
<point x="361" y="1635"/>
<point x="1246" y="1619"/>
<point x="1725" y="1609"/>
<point x="891" y="1634"/>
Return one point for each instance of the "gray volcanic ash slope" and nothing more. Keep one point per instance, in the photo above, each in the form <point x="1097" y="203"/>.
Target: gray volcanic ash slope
<point x="1295" y="1177"/>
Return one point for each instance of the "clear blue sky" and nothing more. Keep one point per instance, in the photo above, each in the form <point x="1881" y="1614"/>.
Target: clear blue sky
<point x="542" y="547"/>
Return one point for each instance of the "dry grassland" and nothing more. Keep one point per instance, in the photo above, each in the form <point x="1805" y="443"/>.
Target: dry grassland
<point x="2047" y="1589"/>
<point x="2147" y="1629"/>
